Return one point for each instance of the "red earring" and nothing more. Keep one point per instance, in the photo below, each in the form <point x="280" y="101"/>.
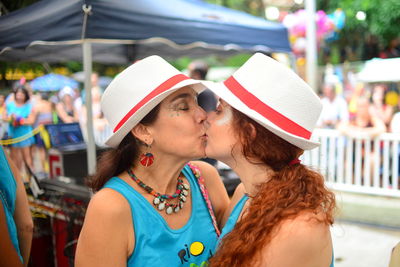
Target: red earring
<point x="147" y="158"/>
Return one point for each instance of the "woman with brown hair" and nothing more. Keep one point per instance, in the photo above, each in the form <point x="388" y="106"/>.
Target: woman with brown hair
<point x="21" y="116"/>
<point x="281" y="213"/>
<point x="151" y="207"/>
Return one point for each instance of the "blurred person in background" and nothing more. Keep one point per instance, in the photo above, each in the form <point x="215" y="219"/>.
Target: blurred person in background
<point x="364" y="122"/>
<point x="19" y="112"/>
<point x="334" y="108"/>
<point x="96" y="90"/>
<point x="100" y="125"/>
<point x="98" y="118"/>
<point x="78" y="102"/>
<point x="3" y="123"/>
<point x="378" y="107"/>
<point x="16" y="225"/>
<point x="358" y="91"/>
<point x="44" y="114"/>
<point x="65" y="107"/>
<point x="198" y="70"/>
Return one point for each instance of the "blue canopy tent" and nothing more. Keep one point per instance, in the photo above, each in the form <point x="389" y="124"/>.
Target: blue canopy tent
<point x="54" y="30"/>
<point x="121" y="31"/>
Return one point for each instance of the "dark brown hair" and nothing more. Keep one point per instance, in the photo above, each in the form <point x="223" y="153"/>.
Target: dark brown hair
<point x="292" y="189"/>
<point x="23" y="89"/>
<point x="117" y="160"/>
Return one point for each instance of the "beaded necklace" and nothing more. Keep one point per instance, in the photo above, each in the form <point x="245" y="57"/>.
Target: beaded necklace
<point x="161" y="201"/>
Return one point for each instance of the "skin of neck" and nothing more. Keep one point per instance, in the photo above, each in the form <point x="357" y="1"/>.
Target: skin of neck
<point x="251" y="174"/>
<point x="162" y="175"/>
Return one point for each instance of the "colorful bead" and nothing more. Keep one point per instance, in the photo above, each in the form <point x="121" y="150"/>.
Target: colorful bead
<point x="161" y="206"/>
<point x="161" y="200"/>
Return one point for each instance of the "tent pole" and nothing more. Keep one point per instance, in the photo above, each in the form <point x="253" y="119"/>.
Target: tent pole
<point x="87" y="68"/>
<point x="311" y="45"/>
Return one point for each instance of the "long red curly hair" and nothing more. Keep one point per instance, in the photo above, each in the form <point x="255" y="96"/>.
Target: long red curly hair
<point x="291" y="190"/>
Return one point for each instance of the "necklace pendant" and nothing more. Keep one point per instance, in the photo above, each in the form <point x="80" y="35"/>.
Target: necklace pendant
<point x="183" y="198"/>
<point x="161" y="206"/>
<point x="185" y="193"/>
<point x="186" y="186"/>
<point x="176" y="209"/>
<point x="180" y="205"/>
<point x="156" y="201"/>
<point x="169" y="210"/>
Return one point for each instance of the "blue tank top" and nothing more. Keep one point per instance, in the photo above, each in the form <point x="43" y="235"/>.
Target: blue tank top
<point x="156" y="244"/>
<point x="234" y="216"/>
<point x="14" y="132"/>
<point x="8" y="195"/>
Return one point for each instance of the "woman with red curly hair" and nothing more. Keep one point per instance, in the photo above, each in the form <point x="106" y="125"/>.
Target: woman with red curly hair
<point x="281" y="213"/>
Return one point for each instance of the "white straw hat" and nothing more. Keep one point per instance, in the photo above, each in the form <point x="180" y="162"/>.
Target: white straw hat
<point x="135" y="91"/>
<point x="274" y="96"/>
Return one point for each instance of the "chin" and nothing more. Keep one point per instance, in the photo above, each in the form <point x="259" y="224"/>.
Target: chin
<point x="211" y="154"/>
<point x="201" y="154"/>
<point x="223" y="156"/>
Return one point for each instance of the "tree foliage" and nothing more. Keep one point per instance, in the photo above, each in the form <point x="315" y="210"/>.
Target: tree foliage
<point x="382" y="22"/>
<point x="382" y="17"/>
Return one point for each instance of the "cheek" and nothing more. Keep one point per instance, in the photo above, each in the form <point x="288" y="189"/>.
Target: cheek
<point x="225" y="119"/>
<point x="219" y="135"/>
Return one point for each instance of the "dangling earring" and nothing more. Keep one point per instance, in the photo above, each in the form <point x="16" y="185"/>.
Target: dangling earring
<point x="147" y="158"/>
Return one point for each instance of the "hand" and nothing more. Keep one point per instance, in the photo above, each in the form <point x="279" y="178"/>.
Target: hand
<point x="16" y="121"/>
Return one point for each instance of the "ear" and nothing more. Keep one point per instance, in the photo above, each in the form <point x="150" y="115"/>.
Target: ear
<point x="142" y="133"/>
<point x="253" y="131"/>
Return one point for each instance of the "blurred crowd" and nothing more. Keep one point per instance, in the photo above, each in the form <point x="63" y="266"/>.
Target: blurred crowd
<point x="364" y="111"/>
<point x="24" y="109"/>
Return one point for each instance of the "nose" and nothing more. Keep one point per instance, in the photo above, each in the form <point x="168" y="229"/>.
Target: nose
<point x="201" y="115"/>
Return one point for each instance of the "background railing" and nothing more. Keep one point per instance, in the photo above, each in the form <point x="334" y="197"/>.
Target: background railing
<point x="348" y="164"/>
<point x="357" y="164"/>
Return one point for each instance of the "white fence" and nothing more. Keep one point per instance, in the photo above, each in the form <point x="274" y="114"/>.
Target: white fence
<point x="357" y="164"/>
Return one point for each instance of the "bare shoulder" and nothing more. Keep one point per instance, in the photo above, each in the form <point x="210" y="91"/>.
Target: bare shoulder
<point x="207" y="170"/>
<point x="108" y="224"/>
<point x="309" y="229"/>
<point x="302" y="241"/>
<point x="111" y="207"/>
<point x="240" y="190"/>
<point x="108" y="201"/>
<point x="237" y="196"/>
<point x="212" y="179"/>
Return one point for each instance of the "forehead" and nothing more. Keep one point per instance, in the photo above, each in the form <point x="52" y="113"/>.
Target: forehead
<point x="185" y="92"/>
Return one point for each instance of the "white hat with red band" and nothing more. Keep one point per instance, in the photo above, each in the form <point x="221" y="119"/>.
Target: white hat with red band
<point x="274" y="96"/>
<point x="134" y="92"/>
